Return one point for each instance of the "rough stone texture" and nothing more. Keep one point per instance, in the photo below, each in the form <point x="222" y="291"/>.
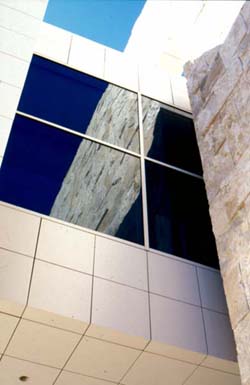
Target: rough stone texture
<point x="102" y="179"/>
<point x="219" y="90"/>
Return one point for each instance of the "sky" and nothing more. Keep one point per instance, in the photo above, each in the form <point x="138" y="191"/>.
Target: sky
<point x="108" y="22"/>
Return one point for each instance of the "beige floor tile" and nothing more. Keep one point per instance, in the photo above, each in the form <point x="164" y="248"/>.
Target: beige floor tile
<point x="7" y="326"/>
<point x="151" y="369"/>
<point x="101" y="359"/>
<point x="111" y="335"/>
<point x="12" y="369"/>
<point x="42" y="344"/>
<point x="175" y="352"/>
<point x="67" y="378"/>
<point x="205" y="376"/>
<point x="53" y="319"/>
<point x="219" y="364"/>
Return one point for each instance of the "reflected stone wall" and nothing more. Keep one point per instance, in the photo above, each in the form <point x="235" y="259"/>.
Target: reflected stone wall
<point x="102" y="183"/>
<point x="219" y="89"/>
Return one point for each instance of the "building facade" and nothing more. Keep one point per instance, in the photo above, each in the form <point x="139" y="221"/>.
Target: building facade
<point x="104" y="280"/>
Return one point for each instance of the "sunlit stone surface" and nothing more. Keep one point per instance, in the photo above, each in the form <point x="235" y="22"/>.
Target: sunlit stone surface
<point x="218" y="84"/>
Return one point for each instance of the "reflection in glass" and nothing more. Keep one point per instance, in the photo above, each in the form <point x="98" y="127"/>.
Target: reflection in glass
<point x="81" y="102"/>
<point x="169" y="137"/>
<point x="179" y="221"/>
<point x="59" y="174"/>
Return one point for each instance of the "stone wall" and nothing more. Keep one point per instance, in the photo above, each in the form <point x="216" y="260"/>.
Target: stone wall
<point x="219" y="90"/>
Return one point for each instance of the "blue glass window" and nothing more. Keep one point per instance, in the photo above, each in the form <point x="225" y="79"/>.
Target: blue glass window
<point x="169" y="137"/>
<point x="179" y="221"/>
<point x="81" y="102"/>
<point x="57" y="173"/>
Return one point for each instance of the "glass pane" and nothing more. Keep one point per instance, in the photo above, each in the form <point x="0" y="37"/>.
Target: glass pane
<point x="81" y="102"/>
<point x="179" y="221"/>
<point x="169" y="137"/>
<point x="59" y="174"/>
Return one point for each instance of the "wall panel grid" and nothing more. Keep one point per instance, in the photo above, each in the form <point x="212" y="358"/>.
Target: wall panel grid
<point x="143" y="132"/>
<point x="106" y="291"/>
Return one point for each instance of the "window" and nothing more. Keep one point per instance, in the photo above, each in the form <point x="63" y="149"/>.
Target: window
<point x="74" y="154"/>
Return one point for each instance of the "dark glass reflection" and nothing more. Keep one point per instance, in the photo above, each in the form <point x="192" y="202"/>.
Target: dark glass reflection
<point x="81" y="102"/>
<point x="169" y="137"/>
<point x="179" y="221"/>
<point x="59" y="174"/>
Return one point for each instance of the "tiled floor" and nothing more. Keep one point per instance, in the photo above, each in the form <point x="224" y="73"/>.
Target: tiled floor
<point x="47" y="355"/>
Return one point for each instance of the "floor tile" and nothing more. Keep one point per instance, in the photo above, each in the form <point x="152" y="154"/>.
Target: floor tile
<point x="151" y="369"/>
<point x="12" y="369"/>
<point x="42" y="344"/>
<point x="7" y="327"/>
<point x="205" y="376"/>
<point x="101" y="359"/>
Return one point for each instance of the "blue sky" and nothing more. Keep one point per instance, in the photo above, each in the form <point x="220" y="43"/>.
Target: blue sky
<point x="108" y="22"/>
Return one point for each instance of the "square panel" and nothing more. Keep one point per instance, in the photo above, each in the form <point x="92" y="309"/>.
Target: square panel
<point x="101" y="359"/>
<point x="36" y="10"/>
<point x="87" y="55"/>
<point x="13" y="70"/>
<point x="61" y="291"/>
<point x="121" y="69"/>
<point x="20" y="22"/>
<point x="122" y="263"/>
<point x="155" y="83"/>
<point x="66" y="246"/>
<point x="5" y="124"/>
<point x="172" y="278"/>
<point x="42" y="344"/>
<point x="177" y="323"/>
<point x="19" y="230"/>
<point x="55" y="320"/>
<point x="179" y="221"/>
<point x="121" y="308"/>
<point x="220" y="364"/>
<point x="212" y="291"/>
<point x="9" y="99"/>
<point x="175" y="352"/>
<point x="15" y="273"/>
<point x="153" y="369"/>
<point x="67" y="378"/>
<point x="220" y="337"/>
<point x="13" y="370"/>
<point x="16" y="44"/>
<point x="207" y="376"/>
<point x="7" y="327"/>
<point x="53" y="42"/>
<point x="117" y="337"/>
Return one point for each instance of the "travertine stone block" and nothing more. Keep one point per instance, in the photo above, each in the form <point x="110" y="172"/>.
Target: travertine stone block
<point x="230" y="46"/>
<point x="235" y="242"/>
<point x="235" y="293"/>
<point x="242" y="336"/>
<point x="220" y="96"/>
